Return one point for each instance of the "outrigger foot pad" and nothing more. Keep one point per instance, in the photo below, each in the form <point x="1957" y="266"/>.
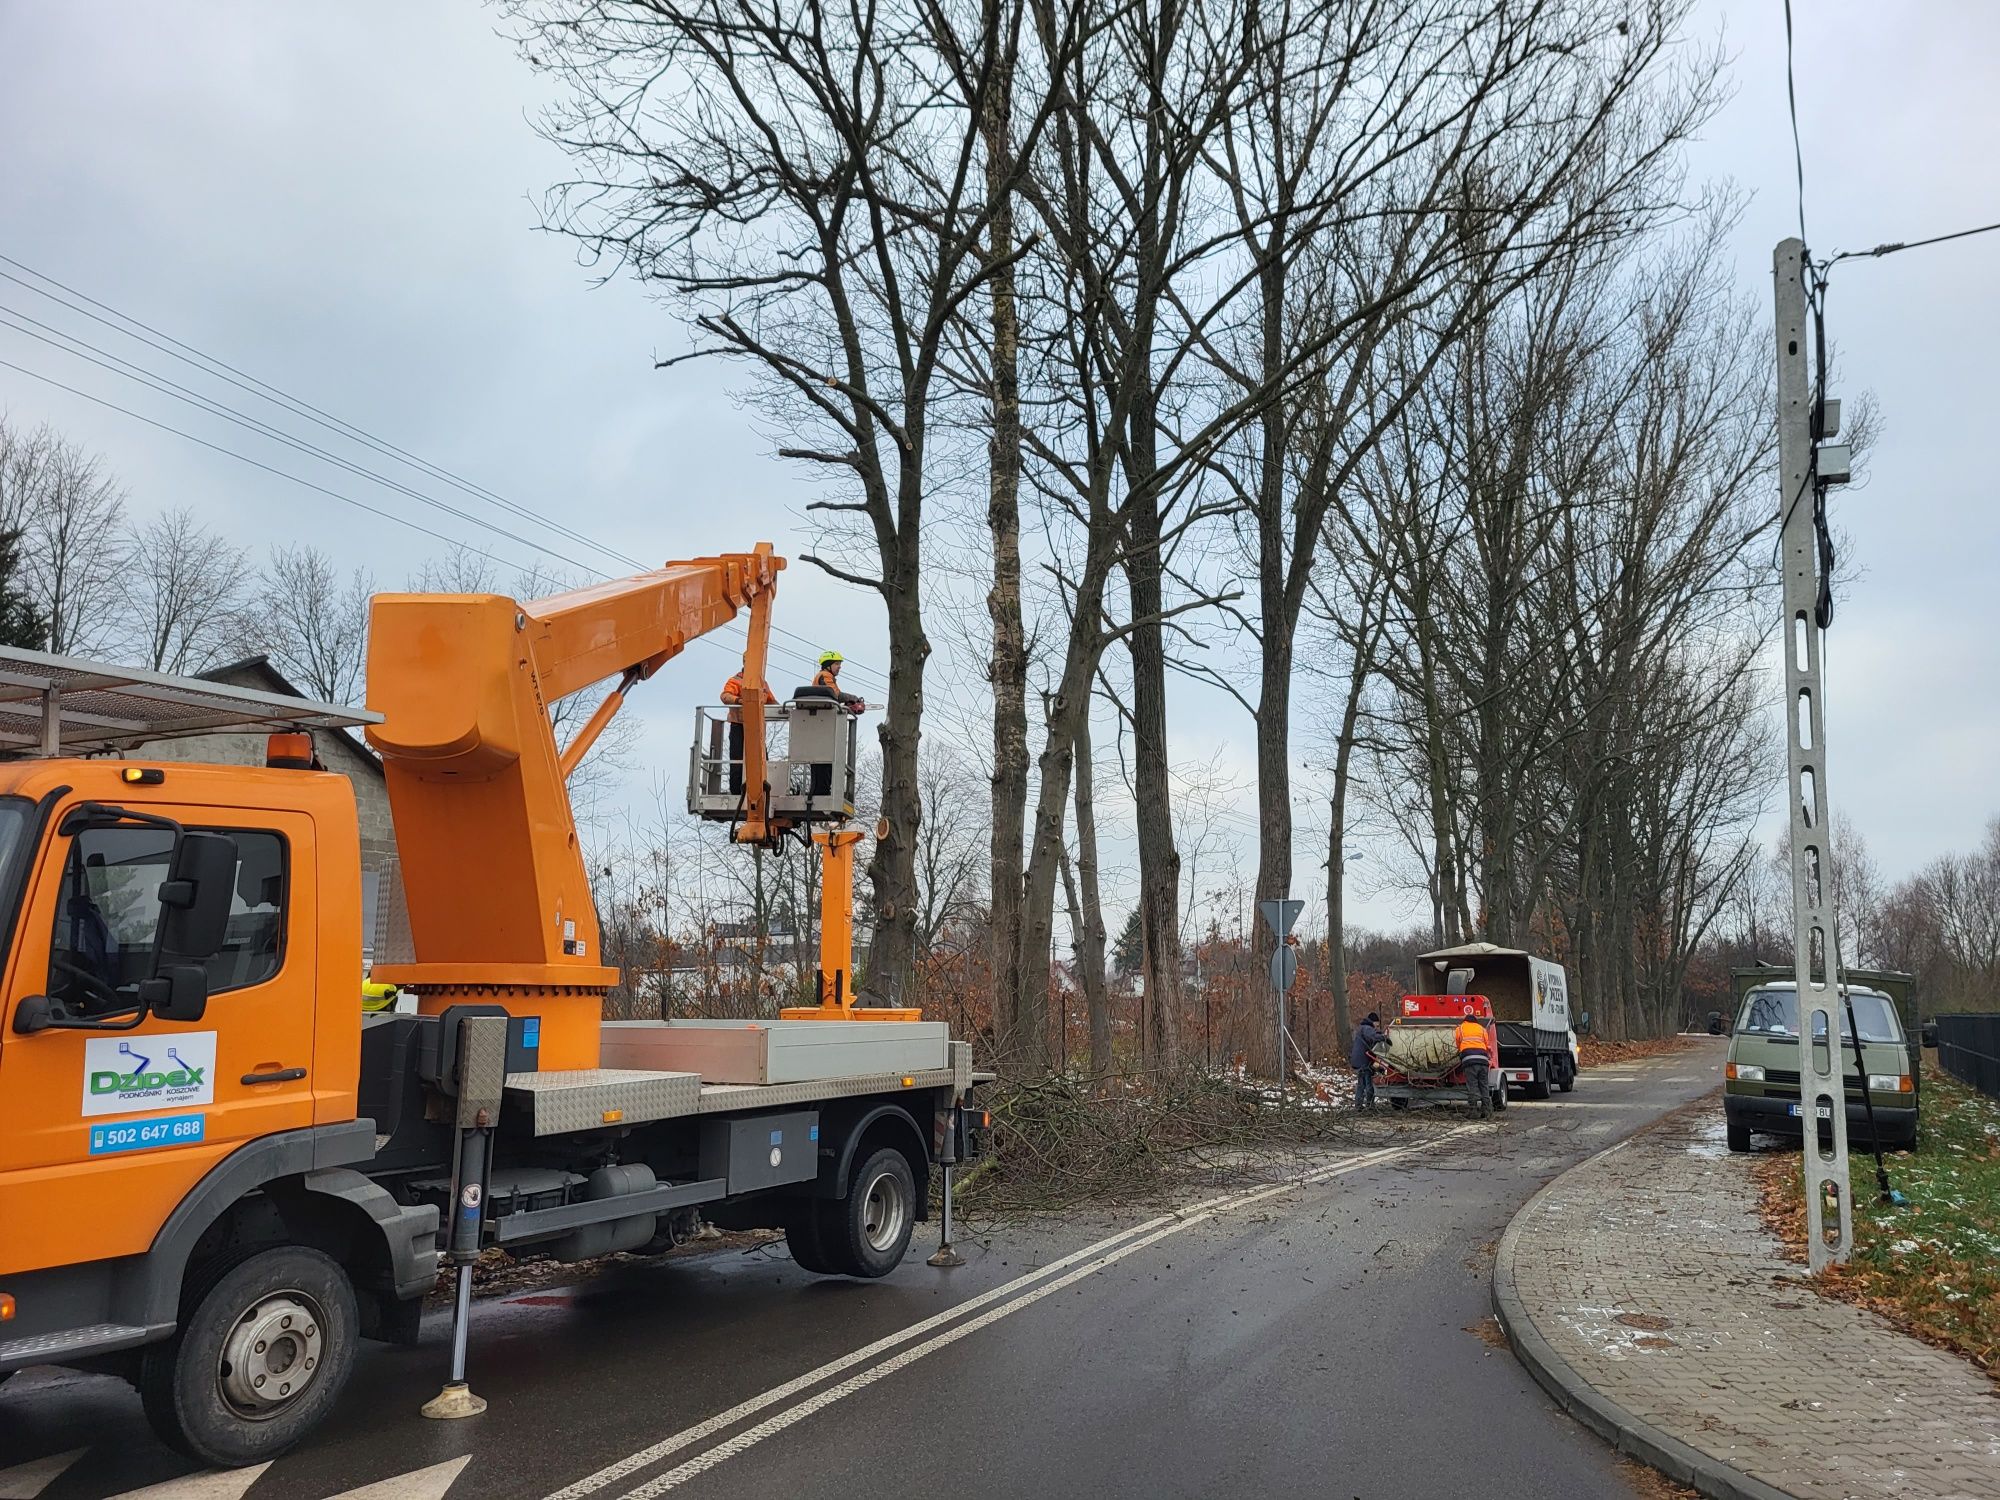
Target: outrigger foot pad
<point x="454" y="1401"/>
<point x="946" y="1258"/>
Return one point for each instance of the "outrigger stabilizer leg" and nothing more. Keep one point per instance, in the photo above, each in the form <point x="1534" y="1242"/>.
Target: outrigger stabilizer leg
<point x="951" y="1151"/>
<point x="482" y="1063"/>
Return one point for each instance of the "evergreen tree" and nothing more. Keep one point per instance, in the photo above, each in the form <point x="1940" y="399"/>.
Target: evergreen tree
<point x="1125" y="954"/>
<point x="21" y="624"/>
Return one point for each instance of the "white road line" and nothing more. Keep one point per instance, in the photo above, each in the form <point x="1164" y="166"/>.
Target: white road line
<point x="1565" y="1105"/>
<point x="750" y="1437"/>
<point x="418" y="1484"/>
<point x="215" y="1484"/>
<point x="26" y="1481"/>
<point x="647" y="1457"/>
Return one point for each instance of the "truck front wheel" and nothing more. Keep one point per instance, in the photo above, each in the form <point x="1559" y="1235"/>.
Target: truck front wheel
<point x="264" y="1346"/>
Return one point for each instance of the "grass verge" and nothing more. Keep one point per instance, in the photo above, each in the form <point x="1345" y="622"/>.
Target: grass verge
<point x="1933" y="1267"/>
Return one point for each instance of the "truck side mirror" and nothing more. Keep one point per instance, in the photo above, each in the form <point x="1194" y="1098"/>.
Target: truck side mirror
<point x="1583" y="1024"/>
<point x="196" y="895"/>
<point x="178" y="992"/>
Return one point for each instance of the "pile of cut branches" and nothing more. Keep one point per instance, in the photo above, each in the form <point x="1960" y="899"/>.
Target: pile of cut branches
<point x="1060" y="1141"/>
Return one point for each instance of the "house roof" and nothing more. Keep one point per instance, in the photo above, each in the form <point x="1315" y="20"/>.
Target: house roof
<point x="258" y="671"/>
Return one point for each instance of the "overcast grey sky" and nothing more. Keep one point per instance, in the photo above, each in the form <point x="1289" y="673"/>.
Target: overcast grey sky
<point x="339" y="200"/>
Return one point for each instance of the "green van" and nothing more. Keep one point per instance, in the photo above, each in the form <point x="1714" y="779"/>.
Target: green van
<point x="1760" y="1091"/>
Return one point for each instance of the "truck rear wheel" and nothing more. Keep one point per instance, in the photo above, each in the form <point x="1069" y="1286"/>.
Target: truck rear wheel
<point x="802" y="1226"/>
<point x="264" y="1347"/>
<point x="866" y="1233"/>
<point x="1566" y="1080"/>
<point x="1538" y="1086"/>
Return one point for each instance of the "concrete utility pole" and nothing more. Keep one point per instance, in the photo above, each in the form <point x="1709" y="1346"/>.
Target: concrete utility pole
<point x="1829" y="1213"/>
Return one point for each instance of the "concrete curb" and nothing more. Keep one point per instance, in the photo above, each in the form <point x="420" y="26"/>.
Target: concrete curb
<point x="1575" y="1395"/>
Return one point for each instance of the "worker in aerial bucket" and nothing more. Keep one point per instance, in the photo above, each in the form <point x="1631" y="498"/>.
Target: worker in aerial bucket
<point x="1473" y="1058"/>
<point x="732" y="696"/>
<point x="828" y="677"/>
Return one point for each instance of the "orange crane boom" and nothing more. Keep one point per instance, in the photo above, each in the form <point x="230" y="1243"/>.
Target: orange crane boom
<point x="493" y="873"/>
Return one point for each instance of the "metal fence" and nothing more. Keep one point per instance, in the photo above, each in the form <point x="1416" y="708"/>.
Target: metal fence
<point x="1969" y="1050"/>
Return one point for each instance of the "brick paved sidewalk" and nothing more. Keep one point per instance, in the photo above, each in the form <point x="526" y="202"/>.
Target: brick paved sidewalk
<point x="1644" y="1291"/>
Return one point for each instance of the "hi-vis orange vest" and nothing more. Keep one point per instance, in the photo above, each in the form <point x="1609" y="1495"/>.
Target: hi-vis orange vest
<point x="1470" y="1036"/>
<point x="732" y="691"/>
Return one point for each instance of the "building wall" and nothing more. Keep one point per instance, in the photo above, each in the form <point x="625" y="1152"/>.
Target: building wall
<point x="389" y="939"/>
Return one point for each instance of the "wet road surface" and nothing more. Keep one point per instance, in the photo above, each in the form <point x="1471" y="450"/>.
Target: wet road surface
<point x="1315" y="1335"/>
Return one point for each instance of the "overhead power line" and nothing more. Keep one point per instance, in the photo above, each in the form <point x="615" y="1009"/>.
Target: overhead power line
<point x="786" y="657"/>
<point x="173" y="389"/>
<point x="1893" y="246"/>
<point x="1792" y="99"/>
<point x="239" y="457"/>
<point x="221" y="369"/>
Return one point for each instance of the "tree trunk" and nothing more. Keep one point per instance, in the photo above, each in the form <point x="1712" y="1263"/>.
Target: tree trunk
<point x="1009" y="671"/>
<point x="1276" y="611"/>
<point x="1090" y="945"/>
<point x="892" y="870"/>
<point x="1066" y="713"/>
<point x="1159" y="861"/>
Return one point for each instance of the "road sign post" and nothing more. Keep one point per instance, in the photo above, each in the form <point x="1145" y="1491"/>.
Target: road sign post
<point x="1280" y="915"/>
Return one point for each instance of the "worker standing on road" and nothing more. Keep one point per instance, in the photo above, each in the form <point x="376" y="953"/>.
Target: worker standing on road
<point x="1367" y="1037"/>
<point x="732" y="696"/>
<point x="1473" y="1058"/>
<point x="829" y="678"/>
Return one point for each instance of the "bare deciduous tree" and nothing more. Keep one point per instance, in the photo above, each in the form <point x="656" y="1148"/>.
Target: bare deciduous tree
<point x="70" y="514"/>
<point x="805" y="181"/>
<point x="313" y="623"/>
<point x="185" y="588"/>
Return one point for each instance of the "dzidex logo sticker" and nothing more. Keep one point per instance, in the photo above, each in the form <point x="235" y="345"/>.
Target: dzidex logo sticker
<point x="124" y="1075"/>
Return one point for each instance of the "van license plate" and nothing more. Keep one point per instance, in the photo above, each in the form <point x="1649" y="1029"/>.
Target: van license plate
<point x="1825" y="1112"/>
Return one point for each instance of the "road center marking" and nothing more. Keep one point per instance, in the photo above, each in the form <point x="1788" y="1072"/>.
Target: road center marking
<point x="1075" y="1266"/>
<point x="26" y="1481"/>
<point x="210" y="1484"/>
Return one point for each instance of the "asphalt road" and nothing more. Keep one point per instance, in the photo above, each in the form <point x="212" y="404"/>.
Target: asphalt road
<point x="1310" y="1336"/>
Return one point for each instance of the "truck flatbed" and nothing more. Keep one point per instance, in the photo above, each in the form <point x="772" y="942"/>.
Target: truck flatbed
<point x="559" y="1103"/>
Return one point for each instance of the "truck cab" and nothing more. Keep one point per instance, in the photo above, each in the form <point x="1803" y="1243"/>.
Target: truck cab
<point x="128" y="1071"/>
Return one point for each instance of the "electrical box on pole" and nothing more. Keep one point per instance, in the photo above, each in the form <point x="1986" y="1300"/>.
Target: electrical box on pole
<point x="1815" y="955"/>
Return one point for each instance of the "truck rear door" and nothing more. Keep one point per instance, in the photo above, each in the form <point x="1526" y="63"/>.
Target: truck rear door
<point x="103" y="1131"/>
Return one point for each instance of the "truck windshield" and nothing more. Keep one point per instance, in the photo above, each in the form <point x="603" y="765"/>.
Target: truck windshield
<point x="16" y="819"/>
<point x="1776" y="1013"/>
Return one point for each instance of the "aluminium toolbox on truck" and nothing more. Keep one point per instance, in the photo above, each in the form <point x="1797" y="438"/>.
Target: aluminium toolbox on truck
<point x="1531" y="1010"/>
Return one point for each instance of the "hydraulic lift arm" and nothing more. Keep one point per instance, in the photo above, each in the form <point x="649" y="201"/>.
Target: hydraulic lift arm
<point x="493" y="873"/>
